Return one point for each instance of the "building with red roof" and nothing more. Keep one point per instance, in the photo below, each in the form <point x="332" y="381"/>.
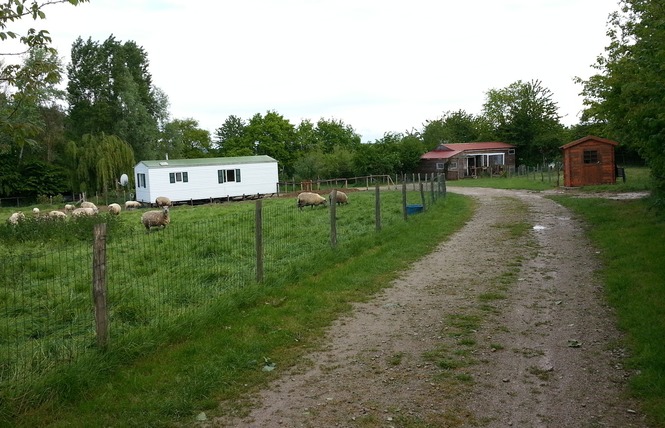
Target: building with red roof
<point x="462" y="160"/>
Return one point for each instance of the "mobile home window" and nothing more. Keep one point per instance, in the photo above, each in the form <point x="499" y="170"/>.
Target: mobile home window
<point x="140" y="180"/>
<point x="178" y="177"/>
<point x="228" y="175"/>
<point x="590" y="156"/>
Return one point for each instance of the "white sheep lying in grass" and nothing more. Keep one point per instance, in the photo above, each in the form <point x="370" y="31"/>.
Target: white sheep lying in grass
<point x="159" y="218"/>
<point x="132" y="204"/>
<point x="312" y="199"/>
<point x="114" y="209"/>
<point x="163" y="201"/>
<point x="16" y="217"/>
<point x="82" y="212"/>
<point x="35" y="211"/>
<point x="56" y="215"/>
<point x="69" y="208"/>
<point x="86" y="204"/>
<point x="340" y="198"/>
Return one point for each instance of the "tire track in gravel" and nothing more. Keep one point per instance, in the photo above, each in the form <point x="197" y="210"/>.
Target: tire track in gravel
<point x="453" y="343"/>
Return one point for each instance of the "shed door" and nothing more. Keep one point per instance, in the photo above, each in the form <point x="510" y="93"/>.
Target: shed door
<point x="592" y="167"/>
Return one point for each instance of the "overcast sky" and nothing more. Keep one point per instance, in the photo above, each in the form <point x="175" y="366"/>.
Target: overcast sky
<point x="378" y="65"/>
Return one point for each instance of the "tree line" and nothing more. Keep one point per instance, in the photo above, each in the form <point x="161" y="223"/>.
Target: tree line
<point x="111" y="115"/>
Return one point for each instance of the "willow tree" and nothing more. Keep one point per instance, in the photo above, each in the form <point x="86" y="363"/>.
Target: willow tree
<point x="98" y="161"/>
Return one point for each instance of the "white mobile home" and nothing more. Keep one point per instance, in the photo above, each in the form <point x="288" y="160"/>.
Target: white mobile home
<point x="205" y="178"/>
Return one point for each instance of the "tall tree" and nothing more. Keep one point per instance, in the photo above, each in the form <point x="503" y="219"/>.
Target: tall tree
<point x="271" y="135"/>
<point x="182" y="138"/>
<point x="627" y="93"/>
<point x="525" y="114"/>
<point x="335" y="133"/>
<point x="455" y="127"/>
<point x="230" y="137"/>
<point x="110" y="90"/>
<point x="98" y="161"/>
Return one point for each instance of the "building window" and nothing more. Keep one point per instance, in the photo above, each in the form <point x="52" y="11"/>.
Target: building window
<point x="453" y="165"/>
<point x="178" y="177"/>
<point x="495" y="160"/>
<point x="591" y="156"/>
<point x="140" y="180"/>
<point x="440" y="166"/>
<point x="228" y="175"/>
<point x="511" y="151"/>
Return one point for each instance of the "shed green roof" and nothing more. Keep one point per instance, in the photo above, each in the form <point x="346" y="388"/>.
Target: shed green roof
<point x="164" y="163"/>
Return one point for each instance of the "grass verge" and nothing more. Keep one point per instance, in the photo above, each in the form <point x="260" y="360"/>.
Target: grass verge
<point x="244" y="340"/>
<point x="631" y="238"/>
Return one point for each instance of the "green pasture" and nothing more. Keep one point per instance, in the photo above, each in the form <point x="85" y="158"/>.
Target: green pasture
<point x="184" y="287"/>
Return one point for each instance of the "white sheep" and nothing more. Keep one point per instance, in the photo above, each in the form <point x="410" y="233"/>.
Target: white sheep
<point x="82" y="212"/>
<point x="56" y="215"/>
<point x="16" y="217"/>
<point x="69" y="208"/>
<point x="156" y="218"/>
<point x="86" y="204"/>
<point x="132" y="204"/>
<point x="114" y="209"/>
<point x="163" y="201"/>
<point x="308" y="198"/>
<point x="341" y="198"/>
<point x="35" y="211"/>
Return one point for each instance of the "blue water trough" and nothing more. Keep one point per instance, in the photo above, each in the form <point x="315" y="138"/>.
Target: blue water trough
<point x="414" y="209"/>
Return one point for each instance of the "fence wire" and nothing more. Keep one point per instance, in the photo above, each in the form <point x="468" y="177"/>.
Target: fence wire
<point x="47" y="314"/>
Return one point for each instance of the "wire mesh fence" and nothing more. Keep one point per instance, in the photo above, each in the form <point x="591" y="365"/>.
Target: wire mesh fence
<point x="48" y="313"/>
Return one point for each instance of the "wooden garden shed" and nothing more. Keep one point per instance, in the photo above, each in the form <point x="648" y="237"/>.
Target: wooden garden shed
<point x="588" y="161"/>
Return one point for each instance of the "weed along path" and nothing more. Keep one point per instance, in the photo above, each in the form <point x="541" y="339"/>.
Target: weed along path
<point x="503" y="325"/>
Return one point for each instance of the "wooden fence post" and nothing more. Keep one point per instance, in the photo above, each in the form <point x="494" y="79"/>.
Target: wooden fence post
<point x="99" y="286"/>
<point x="333" y="218"/>
<point x="422" y="193"/>
<point x="258" y="234"/>
<point x="404" y="199"/>
<point x="377" y="207"/>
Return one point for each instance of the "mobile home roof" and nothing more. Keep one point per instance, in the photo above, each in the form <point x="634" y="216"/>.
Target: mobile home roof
<point x="206" y="161"/>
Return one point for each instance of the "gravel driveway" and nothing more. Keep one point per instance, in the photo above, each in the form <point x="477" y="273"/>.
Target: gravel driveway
<point x="494" y="328"/>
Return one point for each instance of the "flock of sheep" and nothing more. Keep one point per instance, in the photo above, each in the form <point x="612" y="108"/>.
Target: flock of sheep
<point x="156" y="218"/>
<point x="313" y="199"/>
<point x="149" y="219"/>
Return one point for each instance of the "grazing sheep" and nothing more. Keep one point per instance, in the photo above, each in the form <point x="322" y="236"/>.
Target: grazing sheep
<point x="56" y="215"/>
<point x="35" y="211"/>
<point x="16" y="217"/>
<point x="341" y="198"/>
<point x="163" y="201"/>
<point x="86" y="204"/>
<point x="69" y="208"/>
<point x="132" y="204"/>
<point x="82" y="212"/>
<point x="156" y="218"/>
<point x="114" y="209"/>
<point x="308" y="198"/>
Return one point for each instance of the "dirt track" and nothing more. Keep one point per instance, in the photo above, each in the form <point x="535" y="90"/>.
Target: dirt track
<point x="489" y="330"/>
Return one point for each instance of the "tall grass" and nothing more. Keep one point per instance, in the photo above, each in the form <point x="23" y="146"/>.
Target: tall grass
<point x="191" y="287"/>
<point x="631" y="237"/>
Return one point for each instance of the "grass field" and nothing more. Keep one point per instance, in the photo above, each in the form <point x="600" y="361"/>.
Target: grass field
<point x="189" y="326"/>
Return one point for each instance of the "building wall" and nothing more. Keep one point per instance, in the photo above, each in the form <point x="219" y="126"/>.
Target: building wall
<point x="203" y="181"/>
<point x="581" y="171"/>
<point x="456" y="167"/>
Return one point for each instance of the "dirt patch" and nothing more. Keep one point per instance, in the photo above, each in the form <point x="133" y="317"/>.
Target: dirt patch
<point x="495" y="328"/>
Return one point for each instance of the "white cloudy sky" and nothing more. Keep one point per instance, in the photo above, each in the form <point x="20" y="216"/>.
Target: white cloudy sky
<point x="377" y="65"/>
